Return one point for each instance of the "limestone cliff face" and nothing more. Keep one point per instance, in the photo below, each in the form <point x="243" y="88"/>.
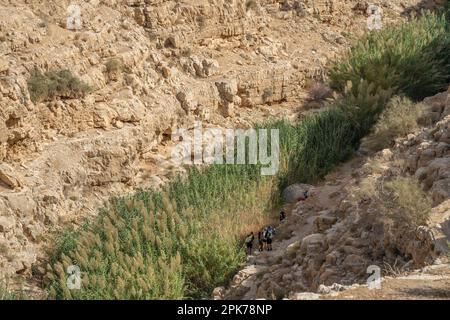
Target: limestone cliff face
<point x="225" y="62"/>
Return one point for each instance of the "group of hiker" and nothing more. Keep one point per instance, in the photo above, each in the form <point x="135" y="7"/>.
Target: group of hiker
<point x="265" y="237"/>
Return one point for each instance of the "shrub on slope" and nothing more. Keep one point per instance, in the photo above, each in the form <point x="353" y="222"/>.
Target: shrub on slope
<point x="52" y="84"/>
<point x="398" y="119"/>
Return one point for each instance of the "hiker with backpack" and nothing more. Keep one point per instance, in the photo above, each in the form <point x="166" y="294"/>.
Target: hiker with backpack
<point x="263" y="238"/>
<point x="269" y="235"/>
<point x="249" y="243"/>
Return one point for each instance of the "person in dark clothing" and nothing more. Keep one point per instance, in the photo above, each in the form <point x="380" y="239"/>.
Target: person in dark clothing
<point x="260" y="241"/>
<point x="304" y="196"/>
<point x="269" y="235"/>
<point x="263" y="238"/>
<point x="249" y="243"/>
<point x="282" y="216"/>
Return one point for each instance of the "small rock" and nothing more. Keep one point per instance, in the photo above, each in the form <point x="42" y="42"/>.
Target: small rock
<point x="323" y="289"/>
<point x="305" y="296"/>
<point x="3" y="65"/>
<point x="324" y="221"/>
<point x="386" y="154"/>
<point x="118" y="124"/>
<point x="6" y="223"/>
<point x="166" y="72"/>
<point x="9" y="176"/>
<point x="218" y="293"/>
<point x="440" y="191"/>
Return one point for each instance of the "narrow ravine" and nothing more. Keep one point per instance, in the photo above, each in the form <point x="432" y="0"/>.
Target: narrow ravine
<point x="87" y="179"/>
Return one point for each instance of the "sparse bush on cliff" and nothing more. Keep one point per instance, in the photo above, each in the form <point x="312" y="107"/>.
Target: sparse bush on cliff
<point x="5" y="294"/>
<point x="398" y="119"/>
<point x="113" y="66"/>
<point x="400" y="199"/>
<point x="251" y="5"/>
<point x="319" y="91"/>
<point x="408" y="203"/>
<point x="202" y="22"/>
<point x="53" y="84"/>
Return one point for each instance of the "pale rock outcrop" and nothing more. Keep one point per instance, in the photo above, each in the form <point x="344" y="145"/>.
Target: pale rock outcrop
<point x="8" y="176"/>
<point x="200" y="66"/>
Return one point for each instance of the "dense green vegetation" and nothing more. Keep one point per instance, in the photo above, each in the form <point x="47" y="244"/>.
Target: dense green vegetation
<point x="184" y="240"/>
<point x="411" y="58"/>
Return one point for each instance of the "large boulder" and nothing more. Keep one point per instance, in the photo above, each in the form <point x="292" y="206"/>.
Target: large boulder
<point x="295" y="192"/>
<point x="437" y="169"/>
<point x="355" y="264"/>
<point x="313" y="244"/>
<point x="440" y="191"/>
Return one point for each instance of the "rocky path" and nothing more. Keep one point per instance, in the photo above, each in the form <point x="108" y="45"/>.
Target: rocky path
<point x="428" y="283"/>
<point x="279" y="273"/>
<point x="300" y="222"/>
